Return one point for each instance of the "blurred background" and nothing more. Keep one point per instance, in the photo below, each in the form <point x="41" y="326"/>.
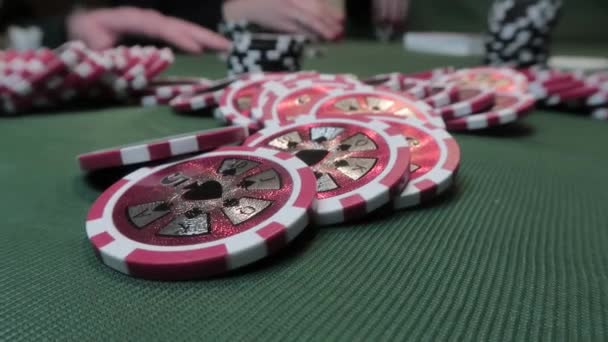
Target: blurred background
<point x="581" y="20"/>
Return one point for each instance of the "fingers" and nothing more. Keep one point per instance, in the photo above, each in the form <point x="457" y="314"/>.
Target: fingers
<point x="403" y="11"/>
<point x="98" y="39"/>
<point x="288" y="26"/>
<point x="84" y="26"/>
<point x="207" y="38"/>
<point x="315" y="16"/>
<point x="180" y="33"/>
<point x="398" y="12"/>
<point x="390" y="12"/>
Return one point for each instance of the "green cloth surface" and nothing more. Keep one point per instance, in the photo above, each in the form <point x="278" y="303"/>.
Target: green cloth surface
<point x="517" y="251"/>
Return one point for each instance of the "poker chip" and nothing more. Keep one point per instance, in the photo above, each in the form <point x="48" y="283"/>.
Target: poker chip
<point x="47" y="78"/>
<point x="599" y="79"/>
<point x="365" y="100"/>
<point x="164" y="90"/>
<point x="546" y="76"/>
<point x="202" y="99"/>
<point x="359" y="164"/>
<point x="236" y="99"/>
<point x="599" y="98"/>
<point x="396" y="81"/>
<point x="431" y="75"/>
<point x="543" y="91"/>
<point x="497" y="79"/>
<point x="391" y="80"/>
<point x="519" y="32"/>
<point x="442" y="96"/>
<point x="573" y="94"/>
<point x="270" y="52"/>
<point x="282" y="101"/>
<point x="435" y="158"/>
<point x="415" y="87"/>
<point x="600" y="113"/>
<point x="507" y="108"/>
<point x="203" y="216"/>
<point x="152" y="101"/>
<point x="163" y="148"/>
<point x="469" y="101"/>
<point x="195" y="102"/>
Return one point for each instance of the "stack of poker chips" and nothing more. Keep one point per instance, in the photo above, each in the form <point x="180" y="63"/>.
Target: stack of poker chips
<point x="519" y="32"/>
<point x="43" y="79"/>
<point x="256" y="50"/>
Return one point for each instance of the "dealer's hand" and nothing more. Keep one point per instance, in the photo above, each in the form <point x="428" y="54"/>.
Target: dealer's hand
<point x="103" y="28"/>
<point x="391" y="12"/>
<point x="294" y="16"/>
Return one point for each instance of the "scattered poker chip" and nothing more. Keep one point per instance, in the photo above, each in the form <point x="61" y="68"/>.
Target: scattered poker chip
<point x="204" y="216"/>
<point x="507" y="108"/>
<point x="573" y="94"/>
<point x="442" y="96"/>
<point x="543" y="91"/>
<point x="359" y="164"/>
<point x="281" y="102"/>
<point x="396" y="81"/>
<point x="599" y="98"/>
<point x="599" y="79"/>
<point x="202" y="99"/>
<point x="431" y="75"/>
<point x="152" y="101"/>
<point x="365" y="100"/>
<point x="391" y="80"/>
<point x="235" y="103"/>
<point x="166" y="90"/>
<point x="600" y="113"/>
<point x="416" y="88"/>
<point x="435" y="158"/>
<point x="163" y="148"/>
<point x="469" y="101"/>
<point x="195" y="102"/>
<point x="168" y="81"/>
<point x="546" y="76"/>
<point x="497" y="79"/>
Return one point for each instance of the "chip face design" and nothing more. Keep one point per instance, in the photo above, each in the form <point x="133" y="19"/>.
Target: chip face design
<point x="374" y="101"/>
<point x="239" y="202"/>
<point x="357" y="163"/>
<point x="209" y="199"/>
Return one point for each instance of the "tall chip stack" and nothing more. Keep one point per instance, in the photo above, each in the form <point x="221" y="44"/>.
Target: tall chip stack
<point x="519" y="32"/>
<point x="255" y="49"/>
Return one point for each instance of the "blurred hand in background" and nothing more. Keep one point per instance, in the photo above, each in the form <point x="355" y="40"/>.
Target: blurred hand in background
<point x="390" y="12"/>
<point x="103" y="28"/>
<point x="311" y="17"/>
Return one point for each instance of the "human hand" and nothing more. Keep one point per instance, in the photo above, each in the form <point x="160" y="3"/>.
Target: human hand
<point x="102" y="29"/>
<point x="312" y="17"/>
<point x="391" y="12"/>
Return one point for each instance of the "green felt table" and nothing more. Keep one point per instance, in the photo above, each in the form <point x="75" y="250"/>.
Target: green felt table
<point x="517" y="251"/>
